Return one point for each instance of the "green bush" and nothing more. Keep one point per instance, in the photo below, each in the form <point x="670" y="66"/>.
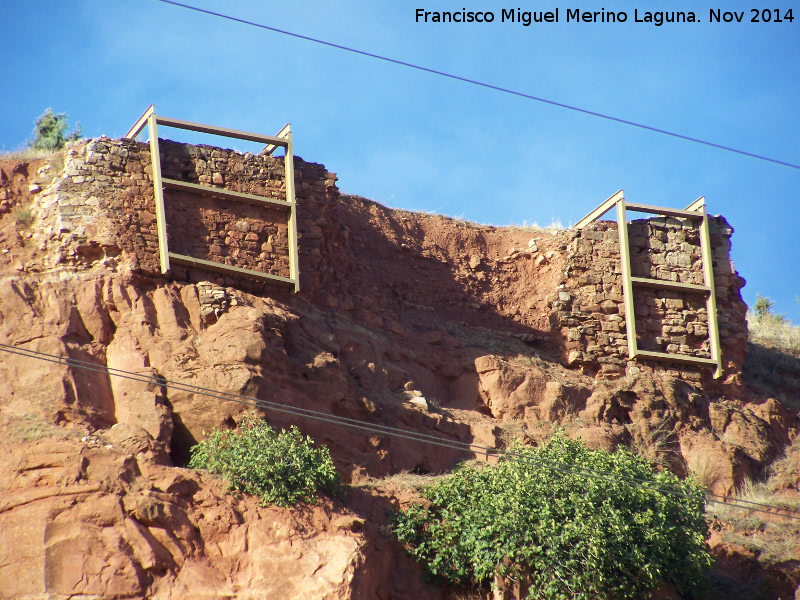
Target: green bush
<point x="280" y="467"/>
<point x="50" y="131"/>
<point x="562" y="534"/>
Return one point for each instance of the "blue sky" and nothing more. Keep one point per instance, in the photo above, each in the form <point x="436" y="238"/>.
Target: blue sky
<point x="417" y="141"/>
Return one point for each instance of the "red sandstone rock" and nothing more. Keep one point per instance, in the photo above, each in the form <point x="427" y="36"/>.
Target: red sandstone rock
<point x="79" y="521"/>
<point x="388" y="297"/>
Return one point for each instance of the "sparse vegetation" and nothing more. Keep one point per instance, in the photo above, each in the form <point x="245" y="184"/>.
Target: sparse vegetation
<point x="23" y="217"/>
<point x="772" y="366"/>
<point x="50" y="131"/>
<point x="29" y="427"/>
<point x="763" y="312"/>
<point x="554" y="226"/>
<point x="775" y="334"/>
<point x="553" y="533"/>
<point x="704" y="472"/>
<point x="494" y="342"/>
<point x="772" y="538"/>
<point x="280" y="467"/>
<point x="26" y="153"/>
<point x="659" y="446"/>
<point x="403" y="479"/>
<point x="769" y="328"/>
<point x="434" y="404"/>
<point x="513" y="433"/>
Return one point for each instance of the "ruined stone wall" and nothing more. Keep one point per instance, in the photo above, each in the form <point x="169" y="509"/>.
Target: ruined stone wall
<point x="104" y="203"/>
<point x="227" y="231"/>
<point x="589" y="310"/>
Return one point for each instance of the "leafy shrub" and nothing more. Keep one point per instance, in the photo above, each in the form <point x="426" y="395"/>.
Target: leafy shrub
<point x="50" y="131"/>
<point x="280" y="467"/>
<point x="562" y="534"/>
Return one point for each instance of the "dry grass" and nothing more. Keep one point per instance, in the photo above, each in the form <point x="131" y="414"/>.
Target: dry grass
<point x="773" y="538"/>
<point x="495" y="342"/>
<point x="29" y="427"/>
<point x="554" y="227"/>
<point x="784" y="473"/>
<point x="403" y="479"/>
<point x="463" y="594"/>
<point x="28" y="154"/>
<point x="783" y="336"/>
<point x="772" y="367"/>
<point x="705" y="473"/>
<point x="660" y="446"/>
<point x="416" y="481"/>
<point x="513" y="433"/>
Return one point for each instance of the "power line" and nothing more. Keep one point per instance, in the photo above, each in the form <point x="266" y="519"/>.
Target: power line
<point x="333" y="419"/>
<point x="484" y="85"/>
<point x="393" y="431"/>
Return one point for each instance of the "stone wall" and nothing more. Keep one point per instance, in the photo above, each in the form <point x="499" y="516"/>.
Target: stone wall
<point x="103" y="203"/>
<point x="589" y="310"/>
<point x="226" y="231"/>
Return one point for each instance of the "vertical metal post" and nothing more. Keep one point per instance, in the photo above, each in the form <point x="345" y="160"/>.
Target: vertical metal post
<point x="627" y="284"/>
<point x="711" y="300"/>
<point x="158" y="190"/>
<point x="294" y="259"/>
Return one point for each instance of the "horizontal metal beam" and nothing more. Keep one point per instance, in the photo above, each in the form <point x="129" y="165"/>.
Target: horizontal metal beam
<point x="600" y="210"/>
<point x="188" y="261"/>
<point x="669" y="212"/>
<point x="212" y="129"/>
<point x="669" y="285"/>
<point x="677" y="358"/>
<point x="212" y="191"/>
<point x="283" y="133"/>
<point x="141" y="122"/>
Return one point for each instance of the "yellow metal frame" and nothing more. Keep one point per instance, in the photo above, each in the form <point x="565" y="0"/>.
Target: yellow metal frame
<point x="283" y="139"/>
<point x="696" y="211"/>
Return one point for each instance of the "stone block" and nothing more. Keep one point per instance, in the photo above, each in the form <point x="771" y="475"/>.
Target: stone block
<point x="612" y="326"/>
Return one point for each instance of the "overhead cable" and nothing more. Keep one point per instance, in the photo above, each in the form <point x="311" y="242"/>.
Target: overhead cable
<point x="393" y="431"/>
<point x="483" y="84"/>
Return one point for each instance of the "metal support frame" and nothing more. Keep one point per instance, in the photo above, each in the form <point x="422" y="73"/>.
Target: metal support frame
<point x="695" y="211"/>
<point x="283" y="139"/>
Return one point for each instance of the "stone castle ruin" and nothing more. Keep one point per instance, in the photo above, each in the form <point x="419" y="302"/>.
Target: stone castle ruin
<point x="169" y="289"/>
<point x="105" y="205"/>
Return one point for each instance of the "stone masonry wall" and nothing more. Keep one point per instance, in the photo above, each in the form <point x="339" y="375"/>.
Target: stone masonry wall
<point x="590" y="313"/>
<point x="227" y="231"/>
<point x="102" y="206"/>
<point x="103" y="203"/>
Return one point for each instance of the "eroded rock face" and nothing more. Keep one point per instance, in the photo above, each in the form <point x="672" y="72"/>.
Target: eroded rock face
<point x="479" y="322"/>
<point x="101" y="522"/>
<point x="508" y="390"/>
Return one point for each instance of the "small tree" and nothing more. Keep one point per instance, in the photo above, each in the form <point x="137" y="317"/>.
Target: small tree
<point x="764" y="314"/>
<point x="539" y="520"/>
<point x="50" y="131"/>
<point x="280" y="467"/>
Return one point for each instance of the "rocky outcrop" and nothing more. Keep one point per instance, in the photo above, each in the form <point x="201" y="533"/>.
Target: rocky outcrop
<point x="472" y="334"/>
<point x="100" y="518"/>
